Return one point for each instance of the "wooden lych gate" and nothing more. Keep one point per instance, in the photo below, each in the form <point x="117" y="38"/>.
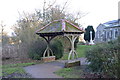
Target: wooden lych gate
<point x="57" y="28"/>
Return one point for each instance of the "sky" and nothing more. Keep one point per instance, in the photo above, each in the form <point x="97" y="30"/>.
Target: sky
<point x="99" y="11"/>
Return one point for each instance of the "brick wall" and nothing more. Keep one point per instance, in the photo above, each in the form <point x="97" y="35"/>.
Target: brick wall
<point x="48" y="59"/>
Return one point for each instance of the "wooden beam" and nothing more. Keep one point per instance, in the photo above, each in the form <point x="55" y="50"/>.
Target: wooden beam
<point x="72" y="39"/>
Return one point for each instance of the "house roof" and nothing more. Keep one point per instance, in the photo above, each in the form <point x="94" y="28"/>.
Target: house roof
<point x="59" y="27"/>
<point x="113" y="23"/>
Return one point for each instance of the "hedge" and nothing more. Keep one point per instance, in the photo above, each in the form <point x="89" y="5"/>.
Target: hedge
<point x="105" y="58"/>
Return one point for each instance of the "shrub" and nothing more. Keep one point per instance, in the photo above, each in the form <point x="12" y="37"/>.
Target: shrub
<point x="105" y="58"/>
<point x="37" y="49"/>
<point x="57" y="48"/>
<point x="76" y="42"/>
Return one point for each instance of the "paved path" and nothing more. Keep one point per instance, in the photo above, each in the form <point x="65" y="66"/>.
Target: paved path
<point x="46" y="70"/>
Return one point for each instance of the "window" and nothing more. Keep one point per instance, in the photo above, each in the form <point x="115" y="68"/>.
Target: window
<point x="111" y="34"/>
<point x="99" y="33"/>
<point x="107" y="34"/>
<point x="104" y="35"/>
<point x="116" y="33"/>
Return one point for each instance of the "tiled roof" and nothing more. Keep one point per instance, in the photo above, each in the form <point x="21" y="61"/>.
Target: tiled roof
<point x="112" y="23"/>
<point x="61" y="25"/>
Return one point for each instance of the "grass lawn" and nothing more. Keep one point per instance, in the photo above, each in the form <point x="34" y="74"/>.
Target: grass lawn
<point x="14" y="68"/>
<point x="80" y="51"/>
<point x="73" y="72"/>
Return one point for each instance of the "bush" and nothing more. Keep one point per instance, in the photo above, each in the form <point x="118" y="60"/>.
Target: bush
<point x="76" y="42"/>
<point x="57" y="48"/>
<point x="105" y="58"/>
<point x="37" y="49"/>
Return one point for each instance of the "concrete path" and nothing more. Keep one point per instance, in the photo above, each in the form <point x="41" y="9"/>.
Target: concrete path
<point x="46" y="70"/>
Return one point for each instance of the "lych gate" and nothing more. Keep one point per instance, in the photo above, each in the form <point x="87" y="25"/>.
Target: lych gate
<point x="60" y="27"/>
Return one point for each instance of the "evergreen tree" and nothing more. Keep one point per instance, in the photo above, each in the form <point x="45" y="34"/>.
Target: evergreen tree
<point x="87" y="33"/>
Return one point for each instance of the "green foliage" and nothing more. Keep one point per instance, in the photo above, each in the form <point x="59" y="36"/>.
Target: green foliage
<point x="57" y="48"/>
<point x="65" y="56"/>
<point x="66" y="44"/>
<point x="69" y="72"/>
<point x="14" y="68"/>
<point x="76" y="42"/>
<point x="37" y="49"/>
<point x="105" y="58"/>
<point x="25" y="30"/>
<point x="8" y="71"/>
<point x="80" y="51"/>
<point x="27" y="24"/>
<point x="87" y="33"/>
<point x="17" y="65"/>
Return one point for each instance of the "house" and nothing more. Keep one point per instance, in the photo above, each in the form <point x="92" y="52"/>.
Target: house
<point x="107" y="31"/>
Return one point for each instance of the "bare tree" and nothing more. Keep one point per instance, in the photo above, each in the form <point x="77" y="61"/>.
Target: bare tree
<point x="5" y="38"/>
<point x="54" y="12"/>
<point x="28" y="23"/>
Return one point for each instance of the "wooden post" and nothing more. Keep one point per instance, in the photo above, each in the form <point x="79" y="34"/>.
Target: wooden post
<point x="48" y="50"/>
<point x="72" y="39"/>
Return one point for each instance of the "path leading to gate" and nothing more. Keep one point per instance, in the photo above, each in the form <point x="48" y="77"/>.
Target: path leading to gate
<point x="46" y="70"/>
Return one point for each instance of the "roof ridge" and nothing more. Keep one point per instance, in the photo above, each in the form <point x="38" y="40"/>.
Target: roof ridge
<point x="74" y="25"/>
<point x="112" y="21"/>
<point x="64" y="21"/>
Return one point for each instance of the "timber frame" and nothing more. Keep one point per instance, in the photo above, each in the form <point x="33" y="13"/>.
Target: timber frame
<point x="72" y="39"/>
<point x="71" y="35"/>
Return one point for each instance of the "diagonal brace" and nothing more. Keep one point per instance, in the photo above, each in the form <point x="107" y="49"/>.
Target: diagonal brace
<point x="48" y="50"/>
<point x="72" y="39"/>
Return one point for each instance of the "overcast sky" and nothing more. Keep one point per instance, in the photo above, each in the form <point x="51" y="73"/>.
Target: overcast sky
<point x="100" y="11"/>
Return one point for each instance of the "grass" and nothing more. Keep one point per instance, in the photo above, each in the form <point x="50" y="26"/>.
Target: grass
<point x="73" y="72"/>
<point x="80" y="51"/>
<point x="65" y="72"/>
<point x="14" y="68"/>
